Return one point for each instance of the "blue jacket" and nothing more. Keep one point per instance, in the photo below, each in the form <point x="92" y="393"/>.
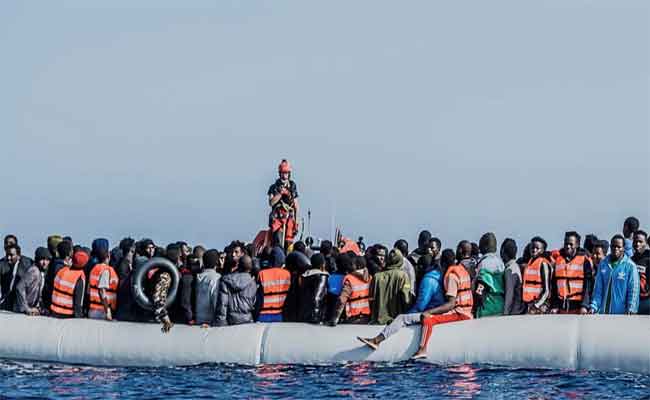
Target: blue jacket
<point x="620" y="284"/>
<point x="430" y="293"/>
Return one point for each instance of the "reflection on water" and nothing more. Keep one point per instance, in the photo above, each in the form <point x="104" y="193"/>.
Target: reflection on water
<point x="353" y="380"/>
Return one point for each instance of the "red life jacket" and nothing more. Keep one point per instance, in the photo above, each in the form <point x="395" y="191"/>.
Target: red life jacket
<point x="359" y="301"/>
<point x="63" y="293"/>
<point x="96" y="304"/>
<point x="275" y="286"/>
<point x="532" y="286"/>
<point x="570" y="277"/>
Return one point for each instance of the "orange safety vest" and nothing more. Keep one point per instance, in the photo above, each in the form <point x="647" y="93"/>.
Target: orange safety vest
<point x="275" y="286"/>
<point x="532" y="287"/>
<point x="110" y="292"/>
<point x="63" y="293"/>
<point x="464" y="298"/>
<point x="359" y="301"/>
<point x="570" y="277"/>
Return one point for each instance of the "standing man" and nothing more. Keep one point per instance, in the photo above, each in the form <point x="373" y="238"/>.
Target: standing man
<point x="537" y="278"/>
<point x="489" y="292"/>
<point x="641" y="258"/>
<point x="69" y="286"/>
<point x="12" y="268"/>
<point x="283" y="199"/>
<point x="512" y="279"/>
<point x="617" y="282"/>
<point x="102" y="287"/>
<point x="30" y="287"/>
<point x="630" y="226"/>
<point x="571" y="278"/>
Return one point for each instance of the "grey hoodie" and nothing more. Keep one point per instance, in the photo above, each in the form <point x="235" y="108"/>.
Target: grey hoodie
<point x="207" y="296"/>
<point x="237" y="295"/>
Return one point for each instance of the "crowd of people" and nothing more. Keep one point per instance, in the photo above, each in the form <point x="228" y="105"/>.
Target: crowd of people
<point x="332" y="283"/>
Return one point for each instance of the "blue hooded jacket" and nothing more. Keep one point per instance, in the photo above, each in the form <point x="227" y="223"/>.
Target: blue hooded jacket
<point x="430" y="292"/>
<point x="617" y="289"/>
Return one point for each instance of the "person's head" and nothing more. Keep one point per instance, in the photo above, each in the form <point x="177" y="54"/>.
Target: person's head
<point x="64" y="248"/>
<point x="52" y="242"/>
<point x="42" y="258"/>
<point x="245" y="264"/>
<point x="198" y="251"/>
<point x="300" y="247"/>
<point x="80" y="259"/>
<point x="12" y="253"/>
<point x="425" y="262"/>
<point x="278" y="257"/>
<point x="284" y="170"/>
<point x="601" y="247"/>
<point x="10" y="240"/>
<point x="538" y="247"/>
<point x="423" y="240"/>
<point x="359" y="262"/>
<point x="402" y="245"/>
<point x="488" y="243"/>
<point x="617" y="247"/>
<point x="464" y="250"/>
<point x="630" y="226"/>
<point x="434" y="246"/>
<point x="447" y="259"/>
<point x="508" y="250"/>
<point x="318" y="261"/>
<point x="640" y="241"/>
<point x="571" y="243"/>
<point x="394" y="257"/>
<point x="174" y="253"/>
<point x="211" y="259"/>
<point x="590" y="241"/>
<point x="148" y="248"/>
<point x="344" y="264"/>
<point x="326" y="247"/>
<point x="192" y="263"/>
<point x="99" y="248"/>
<point x="236" y="249"/>
<point x="127" y="247"/>
<point x="475" y="250"/>
<point x="186" y="250"/>
<point x="380" y="254"/>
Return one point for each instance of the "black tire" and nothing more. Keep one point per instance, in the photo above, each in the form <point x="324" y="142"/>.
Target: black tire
<point x="140" y="274"/>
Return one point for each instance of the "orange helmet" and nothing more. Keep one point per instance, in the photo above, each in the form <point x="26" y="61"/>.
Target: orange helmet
<point x="284" y="167"/>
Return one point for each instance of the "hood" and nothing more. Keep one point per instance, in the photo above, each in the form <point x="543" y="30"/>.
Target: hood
<point x="311" y="272"/>
<point x="362" y="274"/>
<point x="394" y="260"/>
<point x="238" y="281"/>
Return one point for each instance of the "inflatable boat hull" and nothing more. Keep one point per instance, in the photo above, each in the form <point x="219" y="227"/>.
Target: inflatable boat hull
<point x="565" y="342"/>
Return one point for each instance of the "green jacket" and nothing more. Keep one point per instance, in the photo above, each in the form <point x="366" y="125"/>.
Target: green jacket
<point x="493" y="294"/>
<point x="391" y="294"/>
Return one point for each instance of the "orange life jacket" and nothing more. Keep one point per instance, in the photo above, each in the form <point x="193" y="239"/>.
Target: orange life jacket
<point x="532" y="286"/>
<point x="464" y="299"/>
<point x="359" y="301"/>
<point x="275" y="286"/>
<point x="63" y="293"/>
<point x="570" y="277"/>
<point x="110" y="292"/>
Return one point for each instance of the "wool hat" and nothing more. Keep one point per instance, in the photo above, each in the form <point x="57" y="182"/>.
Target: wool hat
<point x="80" y="259"/>
<point x="100" y="245"/>
<point x="42" y="253"/>
<point x="277" y="257"/>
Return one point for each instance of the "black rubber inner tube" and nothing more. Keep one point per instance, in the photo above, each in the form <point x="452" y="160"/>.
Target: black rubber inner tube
<point x="140" y="274"/>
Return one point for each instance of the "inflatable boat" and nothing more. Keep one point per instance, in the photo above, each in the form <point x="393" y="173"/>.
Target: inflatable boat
<point x="551" y="341"/>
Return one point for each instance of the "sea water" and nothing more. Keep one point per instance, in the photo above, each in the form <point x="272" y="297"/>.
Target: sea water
<point x="409" y="380"/>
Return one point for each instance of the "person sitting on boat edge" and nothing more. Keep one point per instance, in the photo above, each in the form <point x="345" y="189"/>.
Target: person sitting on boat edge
<point x="617" y="282"/>
<point x="237" y="295"/>
<point x="536" y="290"/>
<point x="274" y="283"/>
<point x="354" y="297"/>
<point x="312" y="291"/>
<point x="489" y="292"/>
<point x="641" y="258"/>
<point x="28" y="290"/>
<point x="70" y="285"/>
<point x="390" y="290"/>
<point x="458" y="307"/>
<point x="571" y="283"/>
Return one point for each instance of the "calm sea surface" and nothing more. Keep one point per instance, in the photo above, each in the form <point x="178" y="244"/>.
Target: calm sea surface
<point x="366" y="380"/>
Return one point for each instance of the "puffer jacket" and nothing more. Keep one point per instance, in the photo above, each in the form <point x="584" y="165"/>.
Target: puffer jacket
<point x="313" y="288"/>
<point x="430" y="292"/>
<point x="237" y="296"/>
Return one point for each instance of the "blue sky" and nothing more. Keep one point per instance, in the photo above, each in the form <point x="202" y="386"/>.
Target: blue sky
<point x="169" y="121"/>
